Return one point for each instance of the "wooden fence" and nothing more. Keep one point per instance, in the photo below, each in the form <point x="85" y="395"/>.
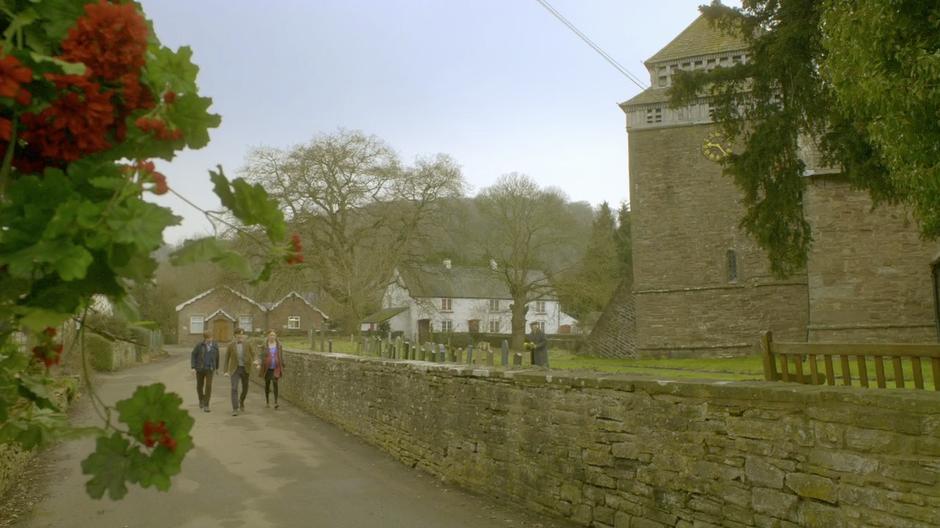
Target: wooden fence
<point x="846" y="357"/>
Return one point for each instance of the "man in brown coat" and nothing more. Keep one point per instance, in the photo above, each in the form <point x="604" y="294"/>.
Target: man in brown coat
<point x="238" y="357"/>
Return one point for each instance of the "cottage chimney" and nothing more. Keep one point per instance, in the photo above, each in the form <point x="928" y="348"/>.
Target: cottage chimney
<point x="493" y="265"/>
<point x="446" y="263"/>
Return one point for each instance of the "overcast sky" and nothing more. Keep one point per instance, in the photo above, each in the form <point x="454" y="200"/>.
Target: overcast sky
<point x="500" y="85"/>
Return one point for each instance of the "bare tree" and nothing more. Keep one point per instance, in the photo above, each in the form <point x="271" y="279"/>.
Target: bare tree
<point x="525" y="227"/>
<point x="359" y="211"/>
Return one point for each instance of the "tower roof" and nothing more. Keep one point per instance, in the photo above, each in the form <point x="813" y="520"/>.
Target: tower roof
<point x="700" y="38"/>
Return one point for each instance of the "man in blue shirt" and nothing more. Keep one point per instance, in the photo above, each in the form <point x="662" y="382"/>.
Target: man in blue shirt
<point x="204" y="362"/>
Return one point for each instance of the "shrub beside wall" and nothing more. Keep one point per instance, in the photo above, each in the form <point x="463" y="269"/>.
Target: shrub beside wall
<point x="611" y="451"/>
<point x="98" y="349"/>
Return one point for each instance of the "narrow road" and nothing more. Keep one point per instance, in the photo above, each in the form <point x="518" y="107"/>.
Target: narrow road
<point x="264" y="468"/>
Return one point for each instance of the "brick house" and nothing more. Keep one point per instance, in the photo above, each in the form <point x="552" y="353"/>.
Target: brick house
<point x="294" y="313"/>
<point x="221" y="310"/>
<point x="703" y="287"/>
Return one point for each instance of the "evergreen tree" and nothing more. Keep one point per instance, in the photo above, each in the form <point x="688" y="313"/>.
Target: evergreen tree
<point x="859" y="78"/>
<point x="624" y="241"/>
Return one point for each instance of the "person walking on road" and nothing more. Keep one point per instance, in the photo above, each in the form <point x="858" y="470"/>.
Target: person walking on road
<point x="272" y="366"/>
<point x="204" y="362"/>
<point x="238" y="356"/>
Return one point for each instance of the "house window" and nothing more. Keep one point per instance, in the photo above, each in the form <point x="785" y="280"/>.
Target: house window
<point x="244" y="322"/>
<point x="293" y="322"/>
<point x="663" y="80"/>
<point x="447" y="326"/>
<point x="494" y="326"/>
<point x="540" y="325"/>
<point x="732" y="259"/>
<point x="197" y="324"/>
<point x="654" y="115"/>
<point x="446" y="304"/>
<point x="540" y="307"/>
<point x="494" y="305"/>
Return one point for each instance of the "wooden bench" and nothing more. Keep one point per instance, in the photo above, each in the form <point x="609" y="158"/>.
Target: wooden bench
<point x="804" y="359"/>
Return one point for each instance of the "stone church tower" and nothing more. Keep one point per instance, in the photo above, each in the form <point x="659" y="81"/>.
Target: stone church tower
<point x="702" y="287"/>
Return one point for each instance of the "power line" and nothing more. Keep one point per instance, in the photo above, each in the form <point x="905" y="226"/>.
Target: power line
<point x="613" y="62"/>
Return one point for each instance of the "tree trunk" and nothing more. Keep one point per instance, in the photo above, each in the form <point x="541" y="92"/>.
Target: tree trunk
<point x="518" y="324"/>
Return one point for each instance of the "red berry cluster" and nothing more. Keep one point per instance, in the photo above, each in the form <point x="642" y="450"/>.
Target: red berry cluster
<point x="13" y="75"/>
<point x="87" y="113"/>
<point x="157" y="128"/>
<point x="110" y="40"/>
<point x="48" y="351"/>
<point x="296" y="255"/>
<point x="157" y="433"/>
<point x="148" y="172"/>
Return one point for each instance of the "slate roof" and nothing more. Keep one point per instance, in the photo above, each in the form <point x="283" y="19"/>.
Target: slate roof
<point x="648" y="96"/>
<point x="460" y="282"/>
<point x="210" y="290"/>
<point x="700" y="38"/>
<point x="384" y="315"/>
<point x="264" y="307"/>
<point x="272" y="306"/>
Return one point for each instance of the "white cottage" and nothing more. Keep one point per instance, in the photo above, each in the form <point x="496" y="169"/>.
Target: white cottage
<point x="445" y="299"/>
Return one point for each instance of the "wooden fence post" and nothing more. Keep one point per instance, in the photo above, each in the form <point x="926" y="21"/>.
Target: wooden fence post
<point x="766" y="347"/>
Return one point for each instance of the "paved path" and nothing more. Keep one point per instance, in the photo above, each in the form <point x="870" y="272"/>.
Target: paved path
<point x="261" y="469"/>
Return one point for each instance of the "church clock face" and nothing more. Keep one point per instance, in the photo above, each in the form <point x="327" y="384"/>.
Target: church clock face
<point x="716" y="147"/>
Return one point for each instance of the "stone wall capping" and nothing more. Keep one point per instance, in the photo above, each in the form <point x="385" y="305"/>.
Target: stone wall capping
<point x="920" y="402"/>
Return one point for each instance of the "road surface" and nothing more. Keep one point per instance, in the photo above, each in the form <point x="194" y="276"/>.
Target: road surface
<point x="264" y="468"/>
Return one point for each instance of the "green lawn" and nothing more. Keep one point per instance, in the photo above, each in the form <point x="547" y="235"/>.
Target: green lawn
<point x="747" y="368"/>
<point x="742" y="368"/>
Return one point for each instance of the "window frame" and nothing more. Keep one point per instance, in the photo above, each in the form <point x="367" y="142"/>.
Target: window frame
<point x="202" y="324"/>
<point x="540" y="307"/>
<point x="250" y="326"/>
<point x="731" y="266"/>
<point x="493" y="305"/>
<point x="293" y="318"/>
<point x="492" y="326"/>
<point x="449" y="326"/>
<point x="447" y="304"/>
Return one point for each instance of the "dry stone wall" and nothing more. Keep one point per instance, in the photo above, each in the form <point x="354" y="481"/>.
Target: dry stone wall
<point x="611" y="451"/>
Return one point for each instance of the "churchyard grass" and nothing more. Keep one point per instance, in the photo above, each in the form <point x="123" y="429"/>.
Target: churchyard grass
<point x="745" y="368"/>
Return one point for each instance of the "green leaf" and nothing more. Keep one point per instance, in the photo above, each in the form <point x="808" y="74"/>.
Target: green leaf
<point x="171" y="70"/>
<point x="72" y="262"/>
<point x="153" y="403"/>
<point x="68" y="68"/>
<point x="109" y="466"/>
<point x="20" y="20"/>
<point x="111" y="184"/>
<point x="37" y="390"/>
<point x="190" y="113"/>
<point x="250" y="203"/>
<point x="265" y="273"/>
<point x="40" y="427"/>
<point x="58" y="16"/>
<point x="210" y="249"/>
<point x="37" y="319"/>
<point x="141" y="223"/>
